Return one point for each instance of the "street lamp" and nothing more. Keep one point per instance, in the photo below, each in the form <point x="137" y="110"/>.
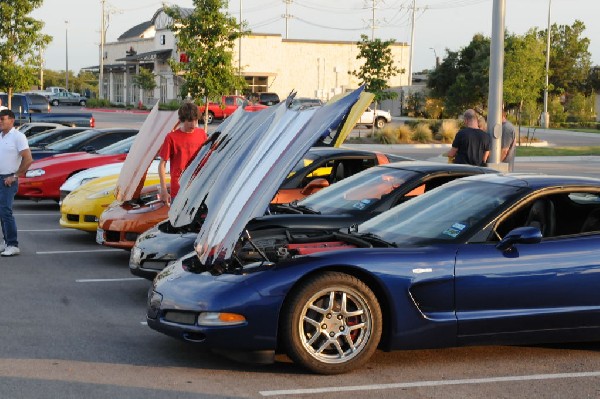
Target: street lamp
<point x="67" y="54"/>
<point x="545" y="122"/>
<point x="437" y="60"/>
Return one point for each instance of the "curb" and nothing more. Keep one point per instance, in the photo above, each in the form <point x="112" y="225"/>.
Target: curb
<point x="118" y="110"/>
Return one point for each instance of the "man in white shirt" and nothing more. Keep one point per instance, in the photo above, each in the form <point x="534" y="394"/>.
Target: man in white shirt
<point x="15" y="158"/>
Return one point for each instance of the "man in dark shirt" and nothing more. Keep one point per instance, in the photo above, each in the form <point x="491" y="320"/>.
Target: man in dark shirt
<point x="471" y="144"/>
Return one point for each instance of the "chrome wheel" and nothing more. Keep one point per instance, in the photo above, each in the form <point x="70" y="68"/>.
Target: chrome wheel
<point x="335" y="324"/>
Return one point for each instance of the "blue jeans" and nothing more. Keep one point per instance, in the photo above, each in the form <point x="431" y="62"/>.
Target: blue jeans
<point x="9" y="226"/>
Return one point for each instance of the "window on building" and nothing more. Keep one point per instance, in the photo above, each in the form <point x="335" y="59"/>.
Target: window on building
<point x="163" y="39"/>
<point x="257" y="84"/>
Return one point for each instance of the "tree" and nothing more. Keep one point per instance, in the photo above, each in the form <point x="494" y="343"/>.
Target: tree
<point x="145" y="79"/>
<point x="20" y="43"/>
<point x="570" y="59"/>
<point x="206" y="36"/>
<point x="524" y="70"/>
<point x="462" y="79"/>
<point x="378" y="67"/>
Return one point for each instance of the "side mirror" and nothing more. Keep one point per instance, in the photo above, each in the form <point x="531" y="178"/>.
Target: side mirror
<point x="520" y="235"/>
<point x="314" y="186"/>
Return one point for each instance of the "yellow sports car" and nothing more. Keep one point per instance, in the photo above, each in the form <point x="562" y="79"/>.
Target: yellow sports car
<point x="82" y="208"/>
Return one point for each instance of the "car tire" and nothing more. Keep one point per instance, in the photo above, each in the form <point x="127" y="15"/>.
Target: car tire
<point x="82" y="103"/>
<point x="331" y="338"/>
<point x="54" y="102"/>
<point x="210" y="118"/>
<point x="380" y="123"/>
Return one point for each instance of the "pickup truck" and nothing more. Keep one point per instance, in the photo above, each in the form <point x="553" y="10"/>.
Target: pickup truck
<point x="65" y="97"/>
<point x="25" y="111"/>
<point x="379" y="116"/>
<point x="226" y="107"/>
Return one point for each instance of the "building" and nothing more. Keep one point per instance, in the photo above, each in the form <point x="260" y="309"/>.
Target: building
<point x="270" y="63"/>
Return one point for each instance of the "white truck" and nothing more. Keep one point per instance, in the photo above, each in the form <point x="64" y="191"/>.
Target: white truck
<point x="377" y="117"/>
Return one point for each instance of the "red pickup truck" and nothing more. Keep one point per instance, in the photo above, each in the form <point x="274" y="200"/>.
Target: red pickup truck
<point x="227" y="107"/>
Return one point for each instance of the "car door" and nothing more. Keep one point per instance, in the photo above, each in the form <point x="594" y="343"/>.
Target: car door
<point x="531" y="291"/>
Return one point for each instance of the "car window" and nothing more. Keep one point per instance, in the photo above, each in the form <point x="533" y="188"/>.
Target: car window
<point x="72" y="141"/>
<point x="229" y="100"/>
<point x="119" y="147"/>
<point x="555" y="214"/>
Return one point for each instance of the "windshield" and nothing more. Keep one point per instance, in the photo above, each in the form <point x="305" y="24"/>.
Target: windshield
<point x="72" y="141"/>
<point x="446" y="214"/>
<point x="120" y="147"/>
<point x="52" y="135"/>
<point x="305" y="162"/>
<point x="359" y="192"/>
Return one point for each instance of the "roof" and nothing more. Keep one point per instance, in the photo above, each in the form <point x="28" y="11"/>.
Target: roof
<point x="148" y="56"/>
<point x="135" y="32"/>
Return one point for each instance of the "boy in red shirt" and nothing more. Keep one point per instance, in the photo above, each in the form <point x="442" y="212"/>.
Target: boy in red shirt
<point x="179" y="147"/>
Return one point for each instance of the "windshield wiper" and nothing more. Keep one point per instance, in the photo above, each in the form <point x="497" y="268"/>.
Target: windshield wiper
<point x="375" y="238"/>
<point x="306" y="209"/>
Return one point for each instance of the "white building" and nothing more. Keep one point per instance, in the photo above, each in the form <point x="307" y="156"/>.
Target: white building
<point x="313" y="68"/>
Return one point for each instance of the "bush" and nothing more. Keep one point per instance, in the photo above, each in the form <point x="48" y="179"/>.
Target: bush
<point x="98" y="103"/>
<point x="385" y="136"/>
<point x="172" y="105"/>
<point x="448" y="130"/>
<point x="403" y="134"/>
<point x="422" y="133"/>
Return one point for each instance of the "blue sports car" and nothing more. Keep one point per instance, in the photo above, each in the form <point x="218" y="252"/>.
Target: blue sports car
<point x="488" y="259"/>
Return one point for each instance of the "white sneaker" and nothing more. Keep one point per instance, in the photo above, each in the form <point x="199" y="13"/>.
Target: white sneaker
<point x="11" y="251"/>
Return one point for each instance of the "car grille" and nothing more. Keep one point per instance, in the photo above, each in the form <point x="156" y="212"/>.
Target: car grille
<point x="72" y="218"/>
<point x="112" y="236"/>
<point x="90" y="218"/>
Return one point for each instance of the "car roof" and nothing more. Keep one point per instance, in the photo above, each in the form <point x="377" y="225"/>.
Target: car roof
<point x="427" y="166"/>
<point x="537" y="181"/>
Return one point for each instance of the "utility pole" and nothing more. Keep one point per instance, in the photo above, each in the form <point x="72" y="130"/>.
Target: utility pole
<point x="412" y="43"/>
<point x="373" y="22"/>
<point x="287" y="15"/>
<point x="67" y="55"/>
<point x="496" y="82"/>
<point x="102" y="38"/>
<point x="545" y="116"/>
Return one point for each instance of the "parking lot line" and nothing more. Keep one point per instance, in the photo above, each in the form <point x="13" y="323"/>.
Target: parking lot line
<point x="107" y="280"/>
<point x="424" y="384"/>
<point x="78" y="251"/>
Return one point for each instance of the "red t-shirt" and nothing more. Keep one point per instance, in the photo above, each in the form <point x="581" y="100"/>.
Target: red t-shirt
<point x="179" y="148"/>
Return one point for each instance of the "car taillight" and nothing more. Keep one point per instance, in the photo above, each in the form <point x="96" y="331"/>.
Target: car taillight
<point x="92" y="122"/>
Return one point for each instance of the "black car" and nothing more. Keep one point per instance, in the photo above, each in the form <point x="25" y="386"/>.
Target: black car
<point x="266" y="98"/>
<point x="47" y="137"/>
<point x="89" y="140"/>
<point x="351" y="201"/>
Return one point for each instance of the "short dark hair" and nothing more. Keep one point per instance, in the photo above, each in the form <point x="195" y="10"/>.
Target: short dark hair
<point x="188" y="112"/>
<point x="5" y="112"/>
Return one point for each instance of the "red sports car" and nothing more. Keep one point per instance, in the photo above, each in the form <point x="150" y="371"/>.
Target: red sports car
<point x="45" y="176"/>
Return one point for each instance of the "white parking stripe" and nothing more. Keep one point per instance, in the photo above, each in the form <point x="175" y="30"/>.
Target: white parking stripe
<point x="422" y="384"/>
<point x="75" y="252"/>
<point x="107" y="280"/>
<point x="37" y="214"/>
<point x="46" y="230"/>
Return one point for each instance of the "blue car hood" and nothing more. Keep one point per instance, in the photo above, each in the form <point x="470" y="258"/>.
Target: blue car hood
<point x="236" y="175"/>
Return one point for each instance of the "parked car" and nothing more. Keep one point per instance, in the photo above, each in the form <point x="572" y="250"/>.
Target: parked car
<point x="31" y="128"/>
<point x="305" y="102"/>
<point x="266" y="98"/>
<point x="82" y="207"/>
<point x="492" y="259"/>
<point x="121" y="223"/>
<point x="43" y="139"/>
<point x="45" y="176"/>
<point x="351" y="201"/>
<point x="89" y="140"/>
<point x="377" y="117"/>
<point x="27" y="109"/>
<point x="227" y="106"/>
<point x="67" y="98"/>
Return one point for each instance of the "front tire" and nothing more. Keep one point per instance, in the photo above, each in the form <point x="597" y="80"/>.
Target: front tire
<point x="82" y="103"/>
<point x="54" y="102"/>
<point x="380" y="123"/>
<point x="332" y="323"/>
<point x="210" y="118"/>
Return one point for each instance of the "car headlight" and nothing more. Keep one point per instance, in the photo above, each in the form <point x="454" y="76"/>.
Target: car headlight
<point x="35" y="173"/>
<point x="99" y="194"/>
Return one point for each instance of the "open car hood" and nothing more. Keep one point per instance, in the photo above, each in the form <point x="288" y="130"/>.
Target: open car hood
<point x="237" y="173"/>
<point x="144" y="149"/>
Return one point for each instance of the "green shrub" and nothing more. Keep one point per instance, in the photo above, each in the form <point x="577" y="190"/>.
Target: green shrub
<point x="448" y="130"/>
<point x="98" y="103"/>
<point x="172" y="105"/>
<point x="422" y="133"/>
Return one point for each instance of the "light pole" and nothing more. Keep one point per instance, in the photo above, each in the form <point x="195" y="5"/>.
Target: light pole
<point x="545" y="116"/>
<point x="67" y="55"/>
<point x="437" y="60"/>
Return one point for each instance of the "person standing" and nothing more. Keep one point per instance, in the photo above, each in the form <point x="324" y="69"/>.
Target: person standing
<point x="471" y="145"/>
<point x="15" y="158"/>
<point x="507" y="152"/>
<point x="179" y="148"/>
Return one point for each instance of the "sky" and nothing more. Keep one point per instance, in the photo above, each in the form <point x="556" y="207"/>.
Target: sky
<point x="439" y="24"/>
